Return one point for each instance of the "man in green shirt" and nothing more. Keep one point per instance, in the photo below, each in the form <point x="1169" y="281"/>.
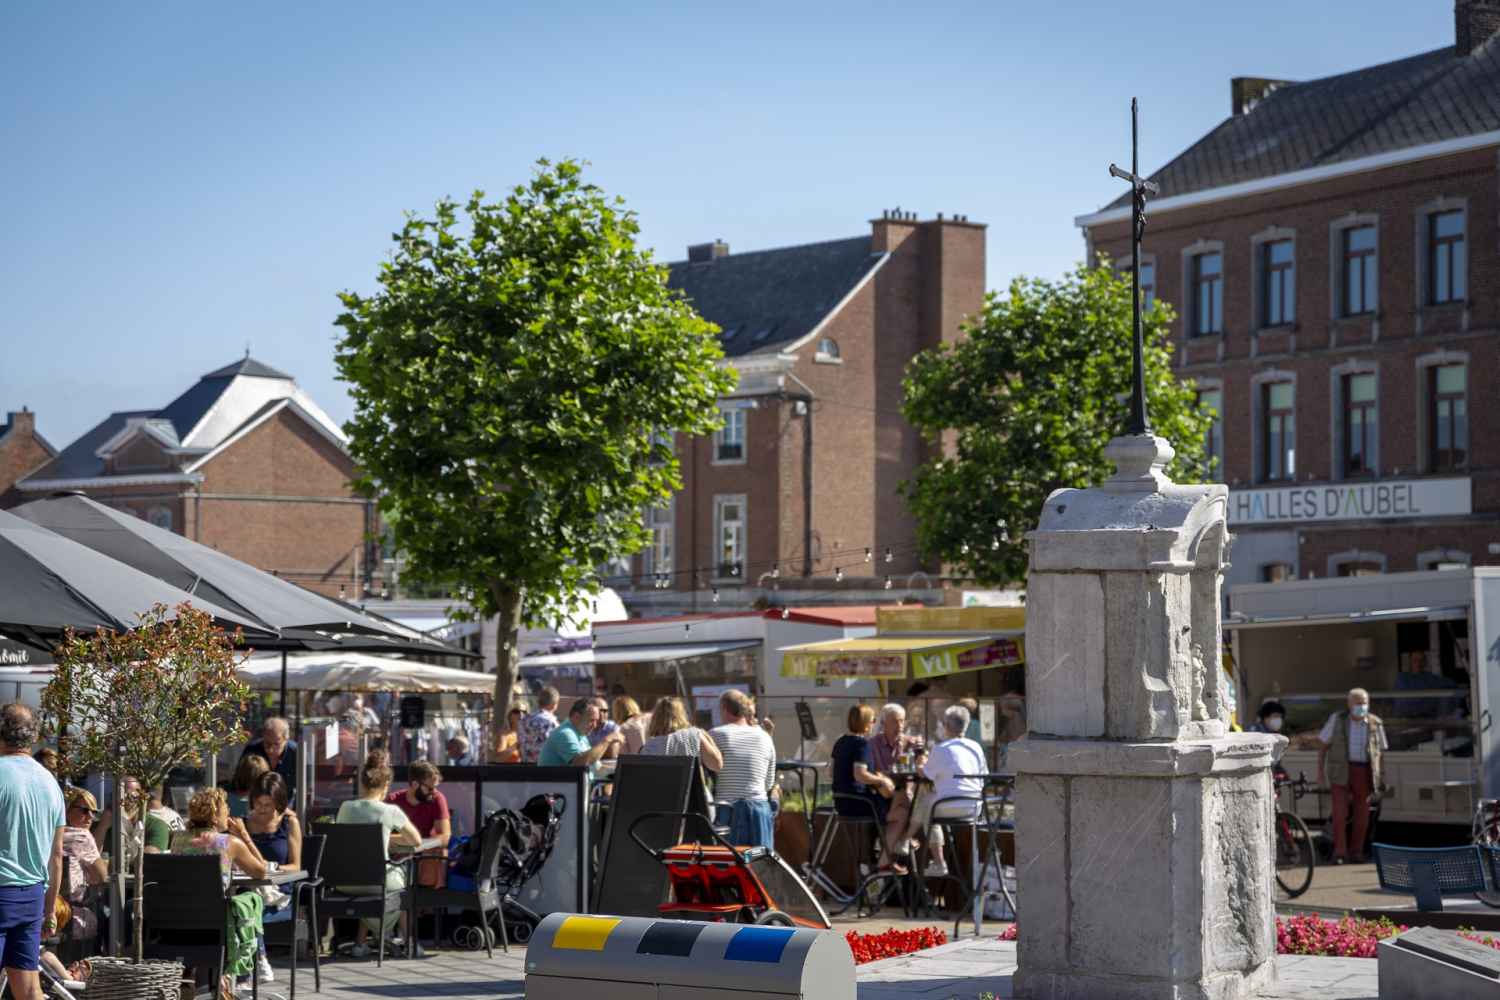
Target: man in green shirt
<point x="569" y="742"/>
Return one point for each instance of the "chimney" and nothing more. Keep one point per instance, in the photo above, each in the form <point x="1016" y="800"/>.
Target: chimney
<point x="1245" y="92"/>
<point x="1474" y="22"/>
<point x="25" y="422"/>
<point x="707" y="253"/>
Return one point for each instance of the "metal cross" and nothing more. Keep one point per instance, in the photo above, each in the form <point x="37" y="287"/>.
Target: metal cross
<point x="1139" y="188"/>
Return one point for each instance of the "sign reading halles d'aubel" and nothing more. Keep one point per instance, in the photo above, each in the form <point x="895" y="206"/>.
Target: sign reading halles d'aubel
<point x="1351" y="501"/>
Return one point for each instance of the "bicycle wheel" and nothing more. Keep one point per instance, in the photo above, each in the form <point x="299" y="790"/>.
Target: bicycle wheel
<point x="1294" y="855"/>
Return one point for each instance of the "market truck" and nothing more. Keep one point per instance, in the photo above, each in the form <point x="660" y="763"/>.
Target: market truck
<point x="1427" y="648"/>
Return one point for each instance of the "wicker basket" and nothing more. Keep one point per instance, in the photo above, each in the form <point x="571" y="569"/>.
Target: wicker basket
<point x="120" y="979"/>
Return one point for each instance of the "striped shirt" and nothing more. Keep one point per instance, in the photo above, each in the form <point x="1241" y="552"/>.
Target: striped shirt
<point x="749" y="769"/>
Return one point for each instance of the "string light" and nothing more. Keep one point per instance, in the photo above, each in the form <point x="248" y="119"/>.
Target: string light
<point x="887" y="553"/>
<point x="867" y="555"/>
<point x="887" y="583"/>
<point x="341" y="591"/>
<point x="786" y="613"/>
<point x="838" y="575"/>
<point x="963" y="549"/>
<point x="716" y="595"/>
<point x="776" y="571"/>
<point x="687" y="628"/>
<point x="995" y="545"/>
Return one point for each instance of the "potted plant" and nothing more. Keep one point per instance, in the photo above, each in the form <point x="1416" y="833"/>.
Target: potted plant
<point x="165" y="694"/>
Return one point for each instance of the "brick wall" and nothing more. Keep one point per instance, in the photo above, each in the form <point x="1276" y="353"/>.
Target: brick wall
<point x="21" y="453"/>
<point x="1313" y="349"/>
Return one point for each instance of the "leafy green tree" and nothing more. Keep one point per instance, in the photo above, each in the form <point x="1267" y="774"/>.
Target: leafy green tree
<point x="1025" y="403"/>
<point x="140" y="703"/>
<point x="517" y="380"/>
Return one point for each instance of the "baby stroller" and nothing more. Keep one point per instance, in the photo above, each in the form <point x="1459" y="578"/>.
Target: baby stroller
<point x="519" y="845"/>
<point x="718" y="882"/>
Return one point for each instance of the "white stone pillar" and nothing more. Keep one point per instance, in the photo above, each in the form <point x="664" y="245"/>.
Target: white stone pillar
<point x="1143" y="826"/>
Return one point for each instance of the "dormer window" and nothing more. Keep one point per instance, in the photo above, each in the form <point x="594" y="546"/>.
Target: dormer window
<point x="828" y="351"/>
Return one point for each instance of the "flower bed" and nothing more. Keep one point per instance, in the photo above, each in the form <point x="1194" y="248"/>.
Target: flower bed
<point x="1485" y="939"/>
<point x="891" y="943"/>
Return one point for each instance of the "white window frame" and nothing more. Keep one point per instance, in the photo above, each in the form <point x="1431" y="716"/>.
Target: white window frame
<point x="661" y="523"/>
<point x="719" y="562"/>
<point x="1337" y="302"/>
<point x="1201" y="386"/>
<point x="1440" y="359"/>
<point x="1424" y="217"/>
<point x="1431" y="558"/>
<point x="1258" y="243"/>
<point x="1190" y="254"/>
<point x="1339" y="559"/>
<point x="824" y="356"/>
<point x="736" y="424"/>
<point x="1257" y="423"/>
<point x="1122" y="268"/>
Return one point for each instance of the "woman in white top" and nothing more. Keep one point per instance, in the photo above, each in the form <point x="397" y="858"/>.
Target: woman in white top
<point x="670" y="734"/>
<point x="374" y="783"/>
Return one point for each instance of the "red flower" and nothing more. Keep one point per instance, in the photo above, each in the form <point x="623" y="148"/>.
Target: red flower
<point x="891" y="943"/>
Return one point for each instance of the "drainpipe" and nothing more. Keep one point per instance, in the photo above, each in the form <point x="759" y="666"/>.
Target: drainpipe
<point x="804" y="407"/>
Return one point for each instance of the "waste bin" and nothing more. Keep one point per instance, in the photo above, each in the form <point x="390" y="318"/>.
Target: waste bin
<point x="636" y="958"/>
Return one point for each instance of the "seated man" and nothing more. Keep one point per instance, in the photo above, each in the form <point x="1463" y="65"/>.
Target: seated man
<point x="953" y="768"/>
<point x="569" y="742"/>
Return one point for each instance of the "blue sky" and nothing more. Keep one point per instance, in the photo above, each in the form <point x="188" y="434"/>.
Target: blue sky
<point x="183" y="179"/>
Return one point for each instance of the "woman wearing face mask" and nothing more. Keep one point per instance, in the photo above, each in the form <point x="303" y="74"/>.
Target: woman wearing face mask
<point x="1349" y="763"/>
<point x="1270" y="717"/>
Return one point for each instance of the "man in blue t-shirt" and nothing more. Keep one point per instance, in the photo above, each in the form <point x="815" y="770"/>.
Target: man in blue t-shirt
<point x="31" y="835"/>
<point x="569" y="742"/>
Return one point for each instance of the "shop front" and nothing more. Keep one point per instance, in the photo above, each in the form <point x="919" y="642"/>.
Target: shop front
<point x="1425" y="647"/>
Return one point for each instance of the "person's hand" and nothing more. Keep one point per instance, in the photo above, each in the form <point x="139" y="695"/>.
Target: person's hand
<point x="49" y="925"/>
<point x="237" y="827"/>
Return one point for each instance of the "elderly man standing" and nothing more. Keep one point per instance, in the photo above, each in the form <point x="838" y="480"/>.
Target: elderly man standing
<point x="748" y="775"/>
<point x="32" y="820"/>
<point x="1349" y="763"/>
<point x="278" y="749"/>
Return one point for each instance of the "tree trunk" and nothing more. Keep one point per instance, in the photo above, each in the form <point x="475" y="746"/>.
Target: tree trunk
<point x="138" y="905"/>
<point x="507" y="654"/>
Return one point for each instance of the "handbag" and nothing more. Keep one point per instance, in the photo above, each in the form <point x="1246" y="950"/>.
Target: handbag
<point x="432" y="868"/>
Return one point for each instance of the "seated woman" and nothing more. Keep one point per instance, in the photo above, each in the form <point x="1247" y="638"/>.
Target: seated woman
<point x="854" y="774"/>
<point x="251" y="767"/>
<point x="273" y="827"/>
<point x="211" y="830"/>
<point x="375" y="778"/>
<point x="85" y="868"/>
<point x="670" y="734"/>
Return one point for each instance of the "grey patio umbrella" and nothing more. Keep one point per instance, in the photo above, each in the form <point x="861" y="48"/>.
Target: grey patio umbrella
<point x="300" y="618"/>
<point x="49" y="583"/>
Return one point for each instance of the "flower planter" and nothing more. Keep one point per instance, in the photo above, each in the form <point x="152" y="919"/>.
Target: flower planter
<point x="119" y="979"/>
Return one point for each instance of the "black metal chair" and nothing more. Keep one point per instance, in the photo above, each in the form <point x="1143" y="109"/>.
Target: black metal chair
<point x="485" y="896"/>
<point x="859" y="828"/>
<point x="302" y="914"/>
<point x="186" y="918"/>
<point x="354" y="859"/>
<point x="978" y="817"/>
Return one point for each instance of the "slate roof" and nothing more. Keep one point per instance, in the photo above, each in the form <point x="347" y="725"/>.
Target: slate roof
<point x="1379" y="109"/>
<point x="767" y="299"/>
<point x="77" y="460"/>
<point x="247" y="366"/>
<point x="186" y="410"/>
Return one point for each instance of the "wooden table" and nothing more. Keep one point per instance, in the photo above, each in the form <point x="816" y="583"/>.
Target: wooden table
<point x="409" y="856"/>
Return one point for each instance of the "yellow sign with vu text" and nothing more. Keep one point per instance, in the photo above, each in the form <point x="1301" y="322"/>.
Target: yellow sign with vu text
<point x="972" y="656"/>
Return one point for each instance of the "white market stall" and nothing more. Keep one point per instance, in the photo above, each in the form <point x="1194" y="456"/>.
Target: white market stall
<point x="361" y="672"/>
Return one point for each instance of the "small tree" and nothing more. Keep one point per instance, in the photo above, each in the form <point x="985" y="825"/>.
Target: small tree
<point x="1025" y="404"/>
<point x="163" y="695"/>
<point x="517" y="381"/>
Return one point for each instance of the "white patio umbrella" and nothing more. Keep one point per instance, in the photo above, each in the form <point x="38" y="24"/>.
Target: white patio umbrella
<point x="362" y="672"/>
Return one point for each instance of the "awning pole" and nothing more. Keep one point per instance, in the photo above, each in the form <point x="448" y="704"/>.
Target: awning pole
<point x="282" y="711"/>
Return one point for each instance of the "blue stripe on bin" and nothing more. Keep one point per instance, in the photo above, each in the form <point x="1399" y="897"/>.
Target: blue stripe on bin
<point x="671" y="938"/>
<point x="758" y="944"/>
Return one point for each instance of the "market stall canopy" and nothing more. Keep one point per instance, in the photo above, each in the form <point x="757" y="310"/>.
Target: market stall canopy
<point x="659" y="653"/>
<point x="1422" y="614"/>
<point x="304" y="619"/>
<point x="53" y="582"/>
<point x="898" y="656"/>
<point x="360" y="672"/>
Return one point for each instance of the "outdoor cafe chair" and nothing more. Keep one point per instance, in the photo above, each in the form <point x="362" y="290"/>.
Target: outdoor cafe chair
<point x="859" y="831"/>
<point x="982" y="815"/>
<point x="354" y="856"/>
<point x="303" y="917"/>
<point x="186" y="918"/>
<point x="486" y="896"/>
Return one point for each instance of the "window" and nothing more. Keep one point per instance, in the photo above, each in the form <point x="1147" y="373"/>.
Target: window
<point x="1361" y="424"/>
<point x="729" y="440"/>
<point x="1448" y="417"/>
<point x="828" y="350"/>
<point x="1361" y="268"/>
<point x="657" y="557"/>
<point x="1278" y="275"/>
<point x="1278" y="405"/>
<point x="729" y="530"/>
<point x="1208" y="294"/>
<point x="663" y="446"/>
<point x="1148" y="284"/>
<point x="1277" y="573"/>
<point x="1213" y="399"/>
<point x="161" y="517"/>
<point x="1446" y="268"/>
<point x="1360" y="568"/>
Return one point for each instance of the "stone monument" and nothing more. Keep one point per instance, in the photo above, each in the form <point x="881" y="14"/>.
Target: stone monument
<point x="1143" y="826"/>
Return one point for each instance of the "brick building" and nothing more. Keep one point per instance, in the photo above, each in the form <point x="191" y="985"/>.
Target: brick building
<point x="1332" y="253"/>
<point x="243" y="461"/>
<point x="803" y="478"/>
<point x="22" y="452"/>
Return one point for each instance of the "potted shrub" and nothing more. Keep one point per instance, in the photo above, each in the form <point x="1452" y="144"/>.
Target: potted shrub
<point x="162" y="695"/>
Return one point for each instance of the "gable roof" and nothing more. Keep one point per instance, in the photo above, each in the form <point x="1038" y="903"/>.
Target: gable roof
<point x="767" y="300"/>
<point x="1424" y="99"/>
<point x="185" y="412"/>
<point x="78" y="460"/>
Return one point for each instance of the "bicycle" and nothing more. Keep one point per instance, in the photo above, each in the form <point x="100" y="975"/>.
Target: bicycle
<point x="1295" y="857"/>
<point x="1486" y="833"/>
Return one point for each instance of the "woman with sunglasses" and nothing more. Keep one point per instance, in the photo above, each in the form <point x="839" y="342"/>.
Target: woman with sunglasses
<point x="85" y="868"/>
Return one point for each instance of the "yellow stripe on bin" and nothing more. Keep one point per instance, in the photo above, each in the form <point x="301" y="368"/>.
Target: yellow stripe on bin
<point x="584" y="933"/>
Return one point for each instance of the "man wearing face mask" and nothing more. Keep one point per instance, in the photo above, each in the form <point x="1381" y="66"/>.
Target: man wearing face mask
<point x="1349" y="763"/>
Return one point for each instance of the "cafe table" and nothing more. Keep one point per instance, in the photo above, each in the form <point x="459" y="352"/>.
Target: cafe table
<point x="409" y="856"/>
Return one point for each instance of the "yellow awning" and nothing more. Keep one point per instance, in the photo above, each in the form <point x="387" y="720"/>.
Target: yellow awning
<point x="894" y="656"/>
